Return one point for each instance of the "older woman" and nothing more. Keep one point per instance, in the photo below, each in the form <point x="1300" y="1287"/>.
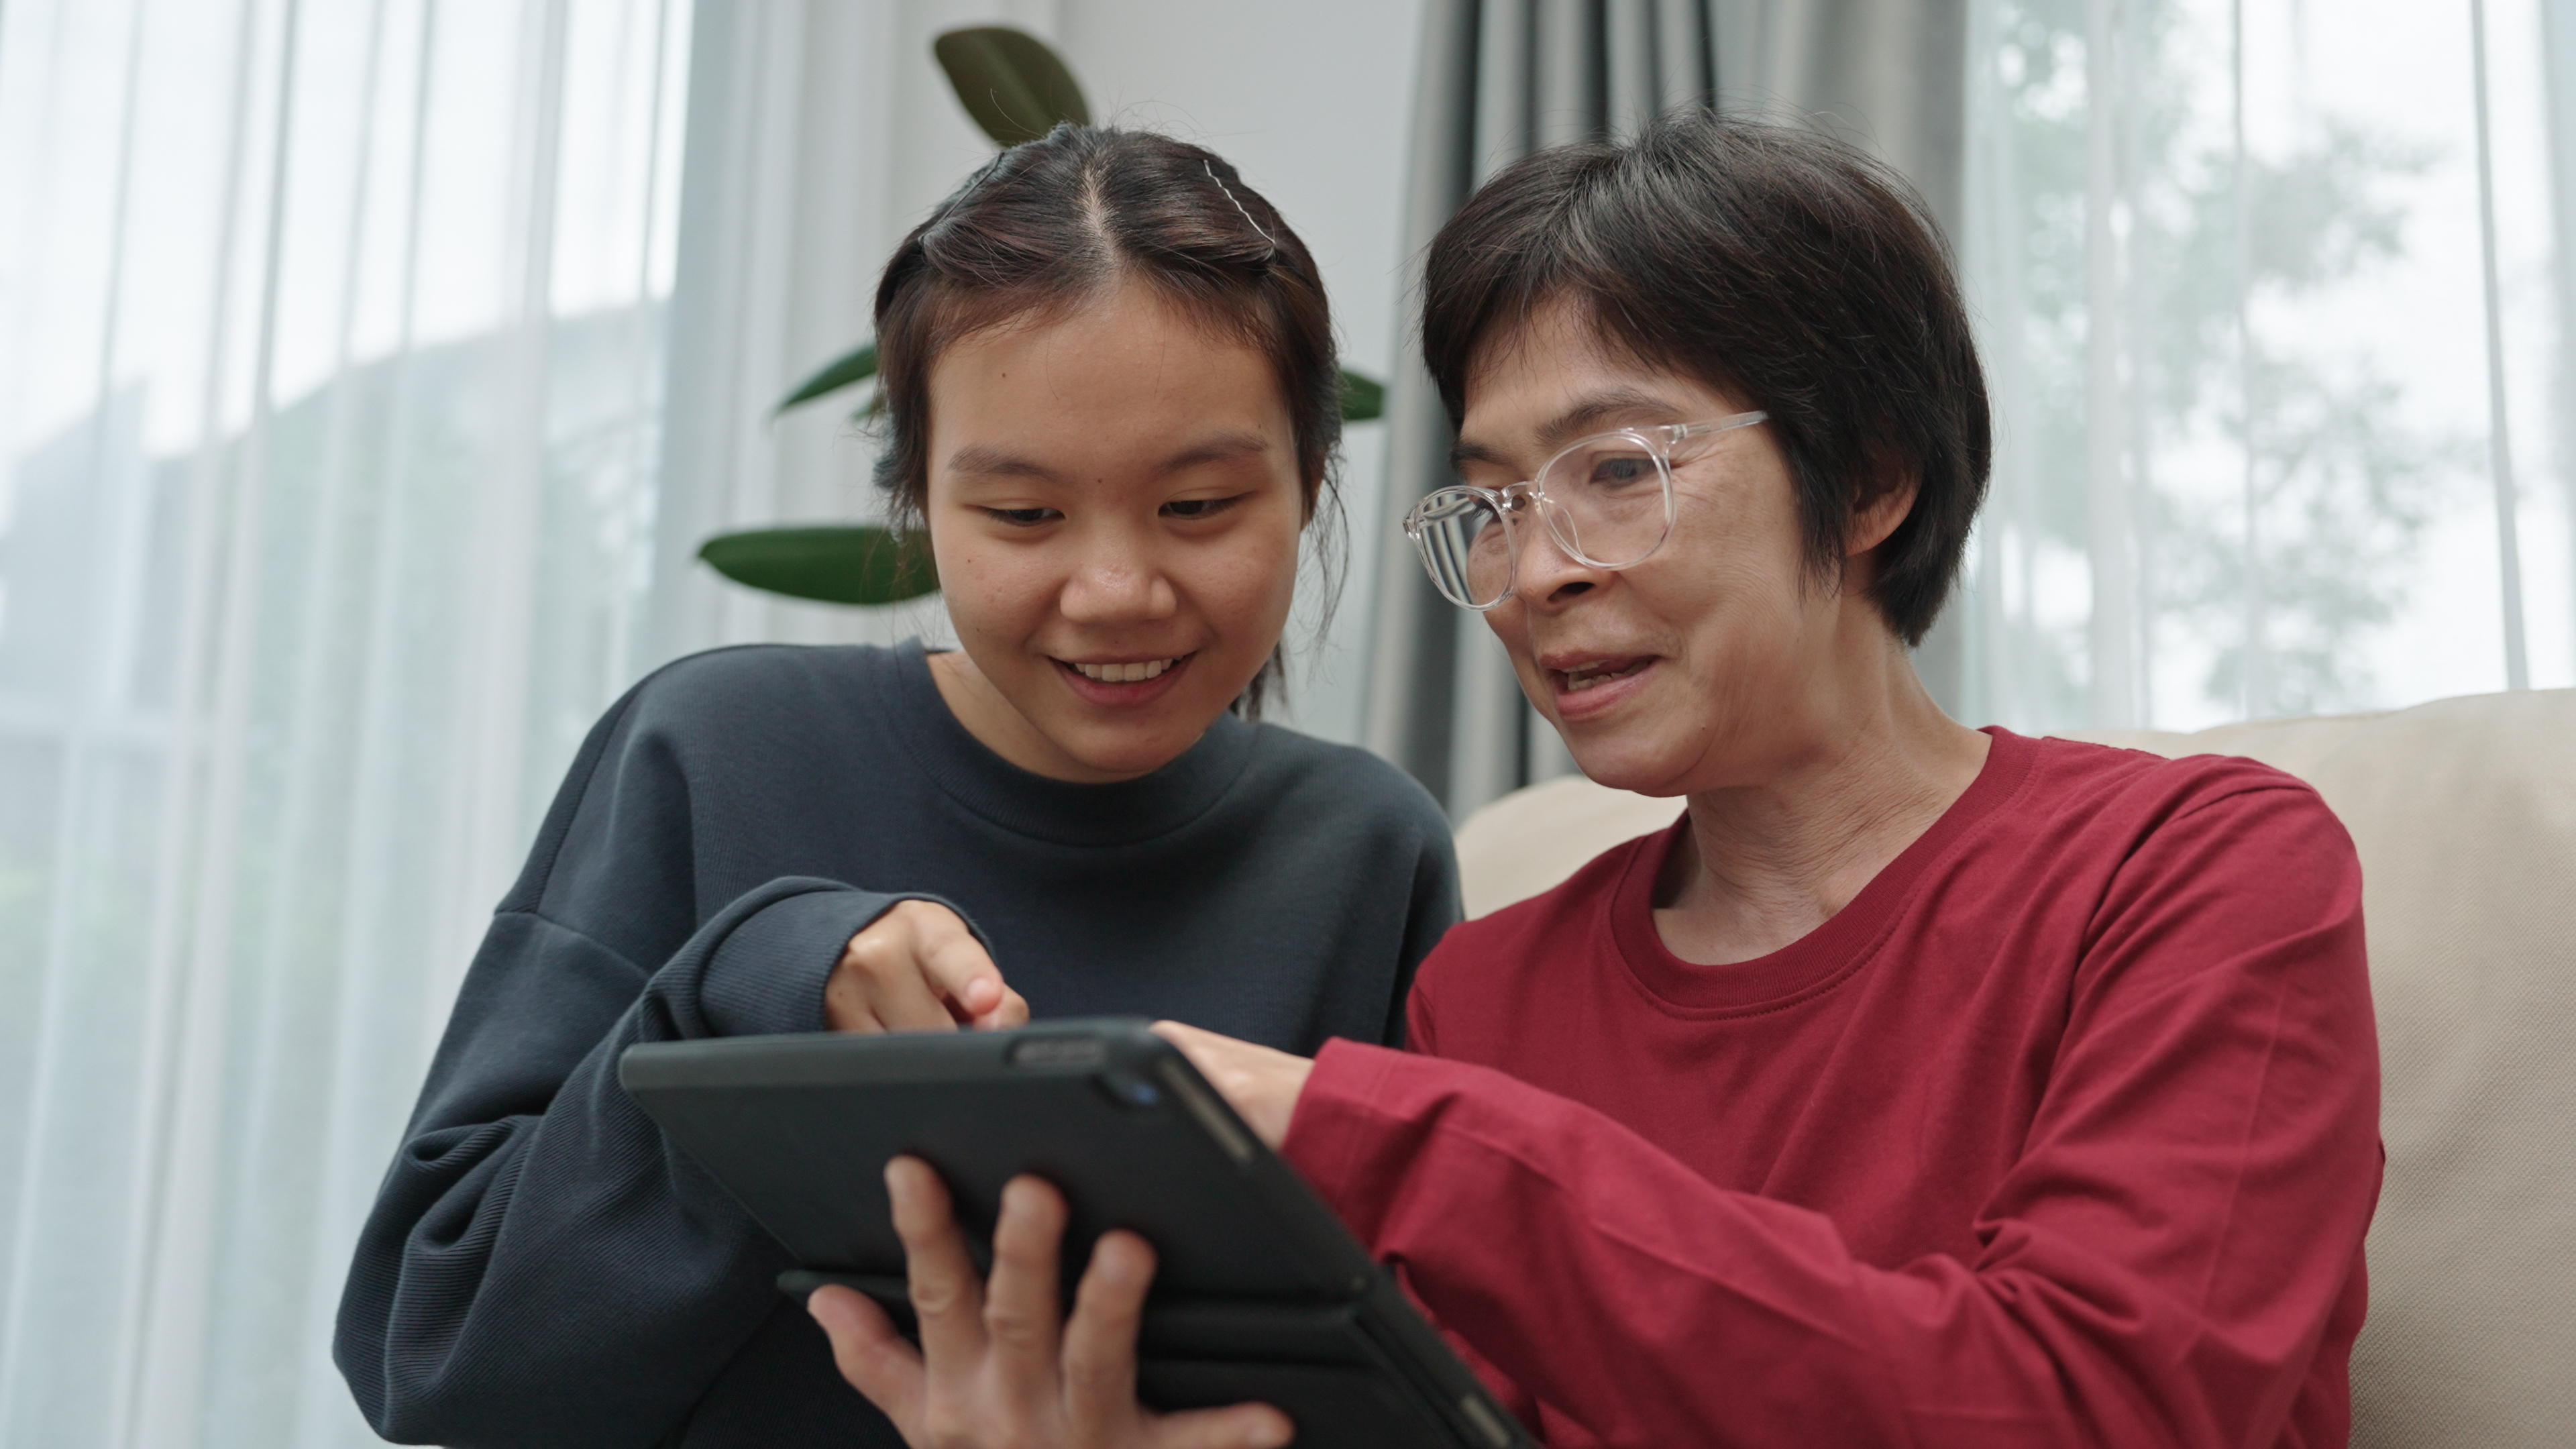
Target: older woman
<point x="1923" y="1085"/>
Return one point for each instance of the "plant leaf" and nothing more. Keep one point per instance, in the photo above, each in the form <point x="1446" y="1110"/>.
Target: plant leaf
<point x="1014" y="87"/>
<point x="1363" y="397"/>
<point x="835" y="563"/>
<point x="847" y="370"/>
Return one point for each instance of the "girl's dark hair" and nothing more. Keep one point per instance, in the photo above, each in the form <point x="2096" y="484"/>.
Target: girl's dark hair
<point x="1059" y="221"/>
<point x="1777" y="264"/>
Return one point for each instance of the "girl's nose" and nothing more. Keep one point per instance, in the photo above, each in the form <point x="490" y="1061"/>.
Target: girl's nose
<point x="1117" y="582"/>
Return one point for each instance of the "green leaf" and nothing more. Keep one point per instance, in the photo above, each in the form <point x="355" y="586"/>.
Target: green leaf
<point x="1014" y="87"/>
<point x="835" y="563"/>
<point x="847" y="370"/>
<point x="1363" y="397"/>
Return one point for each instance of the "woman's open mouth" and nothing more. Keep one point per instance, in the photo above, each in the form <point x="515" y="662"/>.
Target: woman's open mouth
<point x="1597" y="673"/>
<point x="1587" y="687"/>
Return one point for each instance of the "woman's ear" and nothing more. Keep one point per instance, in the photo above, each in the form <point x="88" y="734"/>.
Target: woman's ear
<point x="1878" y="515"/>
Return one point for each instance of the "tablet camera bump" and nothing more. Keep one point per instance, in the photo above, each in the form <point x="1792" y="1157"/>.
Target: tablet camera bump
<point x="1128" y="1089"/>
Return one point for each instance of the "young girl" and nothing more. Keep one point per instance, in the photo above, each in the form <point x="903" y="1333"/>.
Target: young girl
<point x="1113" y="402"/>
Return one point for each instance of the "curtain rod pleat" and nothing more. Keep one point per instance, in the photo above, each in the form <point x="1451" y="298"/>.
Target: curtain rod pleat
<point x="2517" y="665"/>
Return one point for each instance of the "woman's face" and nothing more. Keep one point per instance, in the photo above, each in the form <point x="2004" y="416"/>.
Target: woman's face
<point x="1114" y="505"/>
<point x="1716" y="660"/>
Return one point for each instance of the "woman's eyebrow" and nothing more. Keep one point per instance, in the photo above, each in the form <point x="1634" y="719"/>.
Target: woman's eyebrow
<point x="1589" y="415"/>
<point x="1465" y="452"/>
<point x="1585" y="416"/>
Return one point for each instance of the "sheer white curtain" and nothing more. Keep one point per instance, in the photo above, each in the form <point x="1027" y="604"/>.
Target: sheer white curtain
<point x="330" y="372"/>
<point x="370" y="371"/>
<point x="2273" y="300"/>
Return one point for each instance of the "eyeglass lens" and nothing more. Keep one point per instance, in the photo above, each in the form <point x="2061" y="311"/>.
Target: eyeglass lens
<point x="1604" y="499"/>
<point x="1464" y="543"/>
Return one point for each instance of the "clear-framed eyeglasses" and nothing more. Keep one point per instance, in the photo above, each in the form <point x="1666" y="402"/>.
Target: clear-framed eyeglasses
<point x="1607" y="499"/>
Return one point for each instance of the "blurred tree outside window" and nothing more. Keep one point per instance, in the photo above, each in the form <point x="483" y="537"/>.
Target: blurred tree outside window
<point x="2227" y="259"/>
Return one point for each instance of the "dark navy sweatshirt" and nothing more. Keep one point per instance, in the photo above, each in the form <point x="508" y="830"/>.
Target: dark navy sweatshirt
<point x="542" y="1268"/>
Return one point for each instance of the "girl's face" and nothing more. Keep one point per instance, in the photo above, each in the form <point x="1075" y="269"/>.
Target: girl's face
<point x="1114" y="504"/>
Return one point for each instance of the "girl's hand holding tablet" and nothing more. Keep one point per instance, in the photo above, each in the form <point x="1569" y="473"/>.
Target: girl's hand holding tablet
<point x="1000" y="1362"/>
<point x="919" y="968"/>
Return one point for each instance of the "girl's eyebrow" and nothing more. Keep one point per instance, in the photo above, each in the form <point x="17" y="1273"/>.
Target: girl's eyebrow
<point x="1215" y="450"/>
<point x="984" y="460"/>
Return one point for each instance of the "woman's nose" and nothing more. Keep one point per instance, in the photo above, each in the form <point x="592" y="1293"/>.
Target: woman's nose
<point x="1546" y="570"/>
<point x="1117" y="581"/>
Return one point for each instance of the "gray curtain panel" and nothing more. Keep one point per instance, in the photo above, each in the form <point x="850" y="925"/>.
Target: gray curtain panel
<point x="1502" y="78"/>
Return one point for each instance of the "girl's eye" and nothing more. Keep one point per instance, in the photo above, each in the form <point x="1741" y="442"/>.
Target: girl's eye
<point x="1197" y="507"/>
<point x="1024" y="517"/>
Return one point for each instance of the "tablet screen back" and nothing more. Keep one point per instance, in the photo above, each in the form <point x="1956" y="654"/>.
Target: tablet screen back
<point x="800" y="1130"/>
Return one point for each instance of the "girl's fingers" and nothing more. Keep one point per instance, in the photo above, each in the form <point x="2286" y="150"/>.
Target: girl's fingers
<point x="1100" y="1366"/>
<point x="947" y="1294"/>
<point x="877" y="984"/>
<point x="870" y="1354"/>
<point x="1100" y="1338"/>
<point x="960" y="969"/>
<point x="1013" y="1012"/>
<point x="904" y="1001"/>
<point x="1021" y="1317"/>
<point x="1238" y="1426"/>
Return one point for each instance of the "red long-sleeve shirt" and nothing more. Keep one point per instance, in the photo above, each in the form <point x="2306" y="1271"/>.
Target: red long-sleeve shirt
<point x="2064" y="1131"/>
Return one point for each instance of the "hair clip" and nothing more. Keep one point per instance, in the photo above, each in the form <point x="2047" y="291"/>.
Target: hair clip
<point x="1210" y="169"/>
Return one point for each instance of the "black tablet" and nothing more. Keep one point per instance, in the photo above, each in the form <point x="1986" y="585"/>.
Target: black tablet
<point x="1259" y="1293"/>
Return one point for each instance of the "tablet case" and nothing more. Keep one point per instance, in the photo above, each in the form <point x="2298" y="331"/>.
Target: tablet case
<point x="1260" y="1292"/>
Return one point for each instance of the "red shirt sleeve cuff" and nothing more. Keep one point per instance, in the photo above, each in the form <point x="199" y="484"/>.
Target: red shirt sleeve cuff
<point x="1328" y="1131"/>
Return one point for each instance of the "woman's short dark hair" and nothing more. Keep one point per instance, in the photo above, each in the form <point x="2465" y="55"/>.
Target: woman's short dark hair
<point x="1062" y="220"/>
<point x="1775" y="263"/>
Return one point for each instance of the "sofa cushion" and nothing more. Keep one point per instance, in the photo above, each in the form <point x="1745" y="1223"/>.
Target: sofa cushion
<point x="2464" y="812"/>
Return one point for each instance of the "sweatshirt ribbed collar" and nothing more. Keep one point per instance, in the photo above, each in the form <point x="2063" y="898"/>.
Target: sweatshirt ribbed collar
<point x="1055" y="810"/>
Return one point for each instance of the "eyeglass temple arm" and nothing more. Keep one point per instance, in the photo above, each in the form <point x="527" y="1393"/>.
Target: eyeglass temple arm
<point x="1718" y="425"/>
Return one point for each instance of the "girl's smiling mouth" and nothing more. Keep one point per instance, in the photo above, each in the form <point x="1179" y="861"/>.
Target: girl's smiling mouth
<point x="1123" y="682"/>
<point x="1129" y="672"/>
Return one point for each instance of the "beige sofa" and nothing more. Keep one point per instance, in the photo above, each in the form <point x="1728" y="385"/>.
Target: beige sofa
<point x="2464" y="812"/>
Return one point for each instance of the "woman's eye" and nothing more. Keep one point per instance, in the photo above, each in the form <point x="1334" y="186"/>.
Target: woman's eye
<point x="1197" y="507"/>
<point x="1024" y="517"/>
<point x="1621" y="470"/>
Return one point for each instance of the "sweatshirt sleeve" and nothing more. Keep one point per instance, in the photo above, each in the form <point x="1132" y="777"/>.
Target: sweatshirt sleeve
<point x="541" y="1267"/>
<point x="2158" y="1267"/>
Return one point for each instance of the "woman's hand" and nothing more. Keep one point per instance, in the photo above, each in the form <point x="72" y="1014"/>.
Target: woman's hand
<point x="918" y="968"/>
<point x="1260" y="1083"/>
<point x="999" y="1367"/>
